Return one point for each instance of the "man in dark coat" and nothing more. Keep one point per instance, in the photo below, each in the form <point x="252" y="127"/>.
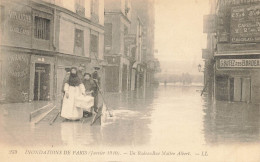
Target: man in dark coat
<point x="81" y="71"/>
<point x="97" y="81"/>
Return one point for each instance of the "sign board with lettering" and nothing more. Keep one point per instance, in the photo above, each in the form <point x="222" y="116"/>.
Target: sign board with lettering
<point x="239" y="63"/>
<point x="18" y="25"/>
<point x="245" y="24"/>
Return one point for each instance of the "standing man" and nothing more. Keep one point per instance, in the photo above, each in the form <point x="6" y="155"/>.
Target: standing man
<point x="97" y="80"/>
<point x="81" y="71"/>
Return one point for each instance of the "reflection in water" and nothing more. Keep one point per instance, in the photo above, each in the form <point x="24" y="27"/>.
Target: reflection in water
<point x="167" y="115"/>
<point x="231" y="122"/>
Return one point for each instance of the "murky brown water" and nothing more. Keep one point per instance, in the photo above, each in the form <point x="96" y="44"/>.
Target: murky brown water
<point x="152" y="117"/>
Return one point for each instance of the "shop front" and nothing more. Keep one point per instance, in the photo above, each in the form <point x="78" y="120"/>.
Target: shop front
<point x="41" y="78"/>
<point x="238" y="79"/>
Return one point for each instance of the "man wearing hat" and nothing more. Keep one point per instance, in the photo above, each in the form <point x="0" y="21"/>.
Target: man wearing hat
<point x="96" y="79"/>
<point x="81" y="71"/>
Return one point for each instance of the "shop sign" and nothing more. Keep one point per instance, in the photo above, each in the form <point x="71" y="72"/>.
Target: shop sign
<point x="245" y="24"/>
<point x="244" y="63"/>
<point x="41" y="59"/>
<point x="20" y="22"/>
<point x="18" y="65"/>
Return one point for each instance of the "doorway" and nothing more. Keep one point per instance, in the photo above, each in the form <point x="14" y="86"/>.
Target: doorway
<point x="240" y="89"/>
<point x="124" y="78"/>
<point x="42" y="82"/>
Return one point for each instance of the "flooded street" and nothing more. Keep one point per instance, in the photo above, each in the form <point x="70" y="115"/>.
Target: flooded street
<point x="167" y="115"/>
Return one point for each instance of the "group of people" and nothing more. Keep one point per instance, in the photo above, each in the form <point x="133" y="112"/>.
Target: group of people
<point x="78" y="83"/>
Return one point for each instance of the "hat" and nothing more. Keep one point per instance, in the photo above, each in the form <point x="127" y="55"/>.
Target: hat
<point x="87" y="74"/>
<point x="73" y="68"/>
<point x="67" y="69"/>
<point x="97" y="68"/>
<point x="82" y="65"/>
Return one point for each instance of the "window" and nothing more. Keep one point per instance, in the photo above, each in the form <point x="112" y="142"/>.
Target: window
<point x="2" y="18"/>
<point x="94" y="46"/>
<point x="42" y="28"/>
<point x="108" y="35"/>
<point x="79" y="42"/>
<point x="94" y="10"/>
<point x="125" y="44"/>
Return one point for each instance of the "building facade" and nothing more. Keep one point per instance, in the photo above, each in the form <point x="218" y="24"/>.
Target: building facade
<point x="39" y="39"/>
<point x="130" y="52"/>
<point x="117" y="55"/>
<point x="237" y="54"/>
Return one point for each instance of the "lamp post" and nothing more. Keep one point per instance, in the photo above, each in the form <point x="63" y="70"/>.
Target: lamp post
<point x="199" y="68"/>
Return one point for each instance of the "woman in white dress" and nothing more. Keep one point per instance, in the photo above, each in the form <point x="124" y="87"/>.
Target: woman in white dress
<point x="73" y="89"/>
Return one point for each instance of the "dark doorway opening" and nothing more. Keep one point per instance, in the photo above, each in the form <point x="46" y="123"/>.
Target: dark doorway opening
<point x="231" y="85"/>
<point x="124" y="78"/>
<point x="42" y="82"/>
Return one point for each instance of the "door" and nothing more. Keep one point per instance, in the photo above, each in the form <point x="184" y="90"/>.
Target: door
<point x="231" y="91"/>
<point x="124" y="78"/>
<point x="246" y="89"/>
<point x="237" y="88"/>
<point x="42" y="82"/>
<point x="222" y="88"/>
<point x="112" y="78"/>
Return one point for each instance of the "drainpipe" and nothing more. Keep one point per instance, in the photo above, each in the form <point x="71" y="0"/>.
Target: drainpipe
<point x="54" y="31"/>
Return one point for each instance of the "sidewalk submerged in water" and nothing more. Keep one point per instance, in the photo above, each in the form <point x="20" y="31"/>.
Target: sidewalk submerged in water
<point x="21" y="112"/>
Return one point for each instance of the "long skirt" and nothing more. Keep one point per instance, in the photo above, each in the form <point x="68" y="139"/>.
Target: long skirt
<point x="69" y="109"/>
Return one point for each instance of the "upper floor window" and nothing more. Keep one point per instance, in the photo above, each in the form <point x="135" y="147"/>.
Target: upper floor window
<point x="79" y="42"/>
<point x="80" y="7"/>
<point x="108" y="35"/>
<point x="93" y="45"/>
<point x="125" y="45"/>
<point x="41" y="28"/>
<point x="2" y="18"/>
<point x="94" y="10"/>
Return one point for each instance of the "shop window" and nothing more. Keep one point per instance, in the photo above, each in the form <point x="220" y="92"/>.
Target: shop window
<point x="41" y="28"/>
<point x="94" y="46"/>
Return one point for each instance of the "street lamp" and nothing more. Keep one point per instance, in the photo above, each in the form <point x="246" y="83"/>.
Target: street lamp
<point x="199" y="68"/>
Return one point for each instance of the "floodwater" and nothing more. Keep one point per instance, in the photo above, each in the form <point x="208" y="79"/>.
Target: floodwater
<point x="166" y="115"/>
